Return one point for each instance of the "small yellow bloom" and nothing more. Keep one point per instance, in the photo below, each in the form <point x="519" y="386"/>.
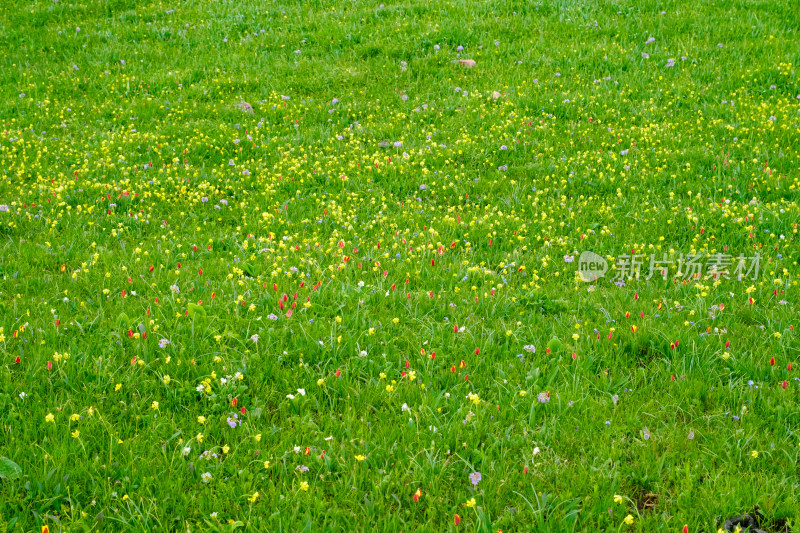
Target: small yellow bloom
<point x="522" y="393"/>
<point x="50" y="418"/>
<point x="201" y="419"/>
<point x="382" y="375"/>
<point x="396" y="320"/>
<point x="199" y="438"/>
<point x="267" y="464"/>
<point x="618" y="499"/>
<point x="360" y="458"/>
<point x="304" y="485"/>
<point x="258" y="437"/>
<point x="74" y="417"/>
<point x="253" y="498"/>
<point x="76" y="434"/>
<point x="154" y="406"/>
<point x="389" y="388"/>
<point x="167" y="379"/>
<point x="471" y="503"/>
<point x="754" y="454"/>
<point x="226" y="449"/>
<point x="629" y="519"/>
<point x="117" y="387"/>
<point x="320" y="382"/>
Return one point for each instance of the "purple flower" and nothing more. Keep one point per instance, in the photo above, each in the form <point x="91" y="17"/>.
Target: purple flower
<point x="544" y="397"/>
<point x="460" y="48"/>
<point x="529" y="348"/>
<point x="645" y="55"/>
<point x="650" y="40"/>
<point x="475" y="478"/>
<point x="3" y="208"/>
<point x="302" y="468"/>
<point x="231" y="422"/>
<point x="163" y="343"/>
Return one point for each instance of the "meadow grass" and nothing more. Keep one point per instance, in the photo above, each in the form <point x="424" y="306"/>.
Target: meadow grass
<point x="332" y="307"/>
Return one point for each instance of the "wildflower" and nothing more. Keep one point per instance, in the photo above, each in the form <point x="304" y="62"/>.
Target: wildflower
<point x="206" y="477"/>
<point x="253" y="498"/>
<point x="360" y="458"/>
<point x="50" y="418"/>
<point x="75" y="434"/>
<point x="629" y="519"/>
<point x="475" y="478"/>
<point x="304" y="486"/>
<point x="471" y="503"/>
<point x="618" y="499"/>
<point x="154" y="406"/>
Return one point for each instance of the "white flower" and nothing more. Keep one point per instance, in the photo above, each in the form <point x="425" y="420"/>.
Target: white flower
<point x="360" y="283"/>
<point x="206" y="477"/>
<point x="290" y="396"/>
<point x="297" y="449"/>
<point x="186" y="451"/>
<point x="302" y="392"/>
<point x="536" y="451"/>
<point x="405" y="407"/>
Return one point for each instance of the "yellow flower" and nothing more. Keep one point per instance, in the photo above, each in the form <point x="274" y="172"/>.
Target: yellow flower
<point x="389" y="388"/>
<point x="320" y="382"/>
<point x="618" y="499"/>
<point x="253" y="498"/>
<point x="50" y="418"/>
<point x="471" y="503"/>
<point x="74" y="417"/>
<point x="201" y="419"/>
<point x="304" y="485"/>
<point x="754" y="454"/>
<point x="267" y="464"/>
<point x="199" y="438"/>
<point x="629" y="519"/>
<point x="76" y="434"/>
<point x="382" y="375"/>
<point x="154" y="406"/>
<point x="167" y="379"/>
<point x="396" y="320"/>
<point x="522" y="393"/>
<point x="360" y="457"/>
<point x="226" y="449"/>
<point x="258" y="437"/>
<point x="117" y="387"/>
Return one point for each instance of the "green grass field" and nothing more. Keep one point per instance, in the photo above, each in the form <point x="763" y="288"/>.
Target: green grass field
<point x="315" y="266"/>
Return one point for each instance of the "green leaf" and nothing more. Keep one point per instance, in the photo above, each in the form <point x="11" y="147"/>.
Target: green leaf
<point x="9" y="469"/>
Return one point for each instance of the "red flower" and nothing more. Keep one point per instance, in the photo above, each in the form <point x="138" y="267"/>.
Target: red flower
<point x="456" y="519"/>
<point x="338" y="372"/>
<point x="234" y="402"/>
<point x="686" y="526"/>
<point x="49" y="365"/>
<point x="772" y="361"/>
